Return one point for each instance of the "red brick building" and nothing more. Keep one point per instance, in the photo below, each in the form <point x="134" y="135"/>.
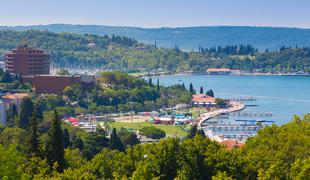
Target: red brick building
<point x="27" y="61"/>
<point x="57" y="83"/>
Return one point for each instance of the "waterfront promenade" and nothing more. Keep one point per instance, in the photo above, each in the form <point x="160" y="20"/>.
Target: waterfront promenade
<point x="233" y="107"/>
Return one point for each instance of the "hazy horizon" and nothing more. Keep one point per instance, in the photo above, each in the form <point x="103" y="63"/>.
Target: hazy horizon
<point x="161" y="13"/>
<point x="202" y="26"/>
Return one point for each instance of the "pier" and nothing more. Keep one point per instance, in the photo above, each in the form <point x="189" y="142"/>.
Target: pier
<point x="243" y="99"/>
<point x="251" y="114"/>
<point x="231" y="127"/>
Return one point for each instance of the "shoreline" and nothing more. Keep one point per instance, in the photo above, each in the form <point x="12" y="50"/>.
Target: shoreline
<point x="242" y="74"/>
<point x="235" y="106"/>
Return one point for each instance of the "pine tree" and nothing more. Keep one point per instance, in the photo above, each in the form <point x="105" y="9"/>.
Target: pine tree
<point x="66" y="138"/>
<point x="210" y="93"/>
<point x="194" y="131"/>
<point x="34" y="142"/>
<point x="183" y="86"/>
<point x="26" y="110"/>
<point x="201" y="90"/>
<point x="77" y="143"/>
<point x="12" y="113"/>
<point x="150" y="82"/>
<point x="39" y="112"/>
<point x="191" y="88"/>
<point x="158" y="85"/>
<point x="115" y="142"/>
<point x="54" y="147"/>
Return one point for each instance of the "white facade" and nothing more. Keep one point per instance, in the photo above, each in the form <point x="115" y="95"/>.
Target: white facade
<point x="2" y="113"/>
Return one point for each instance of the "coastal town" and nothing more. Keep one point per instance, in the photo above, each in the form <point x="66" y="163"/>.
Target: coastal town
<point x="32" y="66"/>
<point x="154" y="90"/>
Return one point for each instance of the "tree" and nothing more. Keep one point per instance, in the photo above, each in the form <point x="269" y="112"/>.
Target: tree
<point x="93" y="144"/>
<point x="26" y="111"/>
<point x="6" y="78"/>
<point x="12" y="113"/>
<point x="34" y="142"/>
<point x="77" y="143"/>
<point x="191" y="88"/>
<point x="39" y="112"/>
<point x="10" y="159"/>
<point x="66" y="138"/>
<point x="201" y="90"/>
<point x="158" y="88"/>
<point x="115" y="142"/>
<point x="54" y="146"/>
<point x="150" y="82"/>
<point x="63" y="72"/>
<point x="153" y="132"/>
<point x="128" y="138"/>
<point x="183" y="86"/>
<point x="194" y="131"/>
<point x="220" y="102"/>
<point x="210" y="93"/>
<point x="68" y="91"/>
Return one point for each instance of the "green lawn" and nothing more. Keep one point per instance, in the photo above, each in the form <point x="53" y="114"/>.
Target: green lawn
<point x="169" y="129"/>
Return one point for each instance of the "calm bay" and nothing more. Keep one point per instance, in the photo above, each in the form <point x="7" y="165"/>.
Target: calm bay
<point x="283" y="96"/>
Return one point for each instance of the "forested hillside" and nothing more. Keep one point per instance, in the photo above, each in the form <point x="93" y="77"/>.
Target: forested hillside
<point x="190" y="38"/>
<point x="277" y="152"/>
<point x="123" y="53"/>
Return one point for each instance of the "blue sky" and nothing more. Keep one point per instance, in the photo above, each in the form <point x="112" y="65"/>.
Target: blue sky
<point x="158" y="13"/>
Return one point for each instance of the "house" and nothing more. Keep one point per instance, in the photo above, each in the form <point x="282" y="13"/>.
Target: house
<point x="231" y="144"/>
<point x="203" y="100"/>
<point x="2" y="113"/>
<point x="15" y="98"/>
<point x="163" y="120"/>
<point x="219" y="71"/>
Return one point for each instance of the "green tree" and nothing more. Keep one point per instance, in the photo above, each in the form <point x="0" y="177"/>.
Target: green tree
<point x="39" y="112"/>
<point x="201" y="90"/>
<point x="68" y="91"/>
<point x="93" y="144"/>
<point x="77" y="143"/>
<point x="153" y="132"/>
<point x="115" y="142"/>
<point x="6" y="78"/>
<point x="150" y="82"/>
<point x="194" y="131"/>
<point x="66" y="138"/>
<point x="158" y="87"/>
<point x="26" y="111"/>
<point x="191" y="88"/>
<point x="220" y="102"/>
<point x="63" y="72"/>
<point x="128" y="138"/>
<point x="34" y="143"/>
<point x="12" y="113"/>
<point x="54" y="146"/>
<point x="210" y="93"/>
<point x="10" y="159"/>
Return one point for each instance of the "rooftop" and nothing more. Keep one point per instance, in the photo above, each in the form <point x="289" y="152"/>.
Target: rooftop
<point x="218" y="70"/>
<point x="15" y="96"/>
<point x="230" y="144"/>
<point x="203" y="98"/>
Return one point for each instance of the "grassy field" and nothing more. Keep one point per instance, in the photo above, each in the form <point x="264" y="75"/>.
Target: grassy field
<point x="169" y="129"/>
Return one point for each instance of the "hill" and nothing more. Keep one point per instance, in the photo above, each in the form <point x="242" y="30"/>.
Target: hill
<point x="189" y="38"/>
<point x="80" y="52"/>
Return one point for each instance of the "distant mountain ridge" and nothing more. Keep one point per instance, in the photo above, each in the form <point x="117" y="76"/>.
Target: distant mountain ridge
<point x="189" y="38"/>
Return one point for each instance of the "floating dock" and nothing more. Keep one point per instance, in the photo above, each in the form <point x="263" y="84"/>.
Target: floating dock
<point x="251" y="114"/>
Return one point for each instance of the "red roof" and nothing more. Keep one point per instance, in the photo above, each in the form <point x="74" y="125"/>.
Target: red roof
<point x="202" y="98"/>
<point x="230" y="144"/>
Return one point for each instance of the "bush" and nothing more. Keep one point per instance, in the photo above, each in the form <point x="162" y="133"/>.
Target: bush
<point x="153" y="132"/>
